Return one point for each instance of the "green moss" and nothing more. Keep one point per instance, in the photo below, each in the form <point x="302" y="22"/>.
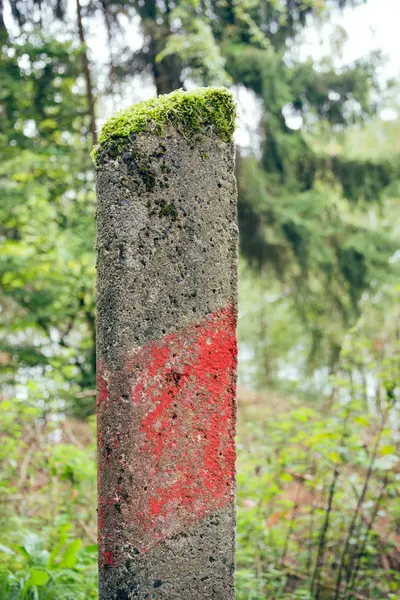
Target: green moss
<point x="168" y="209"/>
<point x="139" y="167"/>
<point x="189" y="112"/>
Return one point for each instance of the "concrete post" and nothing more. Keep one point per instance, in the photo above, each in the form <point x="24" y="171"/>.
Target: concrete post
<point x="166" y="347"/>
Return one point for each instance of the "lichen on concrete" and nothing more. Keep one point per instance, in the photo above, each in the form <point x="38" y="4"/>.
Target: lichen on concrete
<point x="190" y="113"/>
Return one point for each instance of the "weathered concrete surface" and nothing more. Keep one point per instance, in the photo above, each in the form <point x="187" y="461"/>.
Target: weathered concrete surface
<point x="166" y="345"/>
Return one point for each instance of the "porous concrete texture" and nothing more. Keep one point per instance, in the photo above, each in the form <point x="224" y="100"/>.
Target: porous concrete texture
<point x="166" y="348"/>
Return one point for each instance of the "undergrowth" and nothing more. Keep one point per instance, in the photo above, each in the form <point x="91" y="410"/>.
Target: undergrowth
<point x="318" y="495"/>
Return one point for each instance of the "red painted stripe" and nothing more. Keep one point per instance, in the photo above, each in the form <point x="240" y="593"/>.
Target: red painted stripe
<point x="179" y="445"/>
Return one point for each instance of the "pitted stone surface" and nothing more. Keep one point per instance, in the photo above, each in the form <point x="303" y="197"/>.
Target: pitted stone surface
<point x="165" y="256"/>
<point x="197" y="564"/>
<point x="166" y="291"/>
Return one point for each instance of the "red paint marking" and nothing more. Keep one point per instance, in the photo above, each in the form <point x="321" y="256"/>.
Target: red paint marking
<point x="203" y="386"/>
<point x="108" y="558"/>
<point x="101" y="384"/>
<point x="182" y="459"/>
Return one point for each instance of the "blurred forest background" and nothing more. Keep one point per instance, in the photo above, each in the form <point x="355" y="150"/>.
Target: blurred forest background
<point x="319" y="187"/>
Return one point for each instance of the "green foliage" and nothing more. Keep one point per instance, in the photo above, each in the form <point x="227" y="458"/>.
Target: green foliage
<point x="289" y="454"/>
<point x="47" y="215"/>
<point x="66" y="572"/>
<point x="363" y="180"/>
<point x="195" y="44"/>
<point x="47" y="494"/>
<point x="189" y="112"/>
<point x="317" y="486"/>
<point x="316" y="258"/>
<point x="318" y="494"/>
<point x="301" y="206"/>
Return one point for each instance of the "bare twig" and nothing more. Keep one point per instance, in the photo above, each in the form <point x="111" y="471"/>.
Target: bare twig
<point x="327" y="586"/>
<point x="71" y="436"/>
<point x="359" y="506"/>
<point x="291" y="524"/>
<point x="90" y="535"/>
<point x="355" y="573"/>
<point x="315" y="586"/>
<point x="24" y="466"/>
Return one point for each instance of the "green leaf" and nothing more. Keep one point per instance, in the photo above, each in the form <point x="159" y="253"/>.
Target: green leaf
<point x="22" y="551"/>
<point x="59" y="545"/>
<point x="92" y="548"/>
<point x="385" y="450"/>
<point x="38" y="578"/>
<point x="32" y="544"/>
<point x="335" y="457"/>
<point x="69" y="558"/>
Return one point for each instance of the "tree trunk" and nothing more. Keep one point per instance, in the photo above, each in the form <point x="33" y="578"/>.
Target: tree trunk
<point x="112" y="69"/>
<point x="167" y="75"/>
<point x="87" y="74"/>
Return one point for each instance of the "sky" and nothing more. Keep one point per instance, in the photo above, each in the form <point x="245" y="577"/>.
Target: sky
<point x="372" y="26"/>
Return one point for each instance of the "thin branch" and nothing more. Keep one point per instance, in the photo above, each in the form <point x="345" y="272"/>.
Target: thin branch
<point x="359" y="506"/>
<point x="87" y="74"/>
<point x="355" y="572"/>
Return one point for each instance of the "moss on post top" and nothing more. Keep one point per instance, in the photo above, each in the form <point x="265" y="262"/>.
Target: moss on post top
<point x="189" y="112"/>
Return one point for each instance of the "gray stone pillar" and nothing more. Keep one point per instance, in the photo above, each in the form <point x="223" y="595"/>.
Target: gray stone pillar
<point x="166" y="348"/>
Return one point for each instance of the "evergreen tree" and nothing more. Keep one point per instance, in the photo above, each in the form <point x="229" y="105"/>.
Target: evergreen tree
<point x="303" y="212"/>
<point x="47" y="216"/>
